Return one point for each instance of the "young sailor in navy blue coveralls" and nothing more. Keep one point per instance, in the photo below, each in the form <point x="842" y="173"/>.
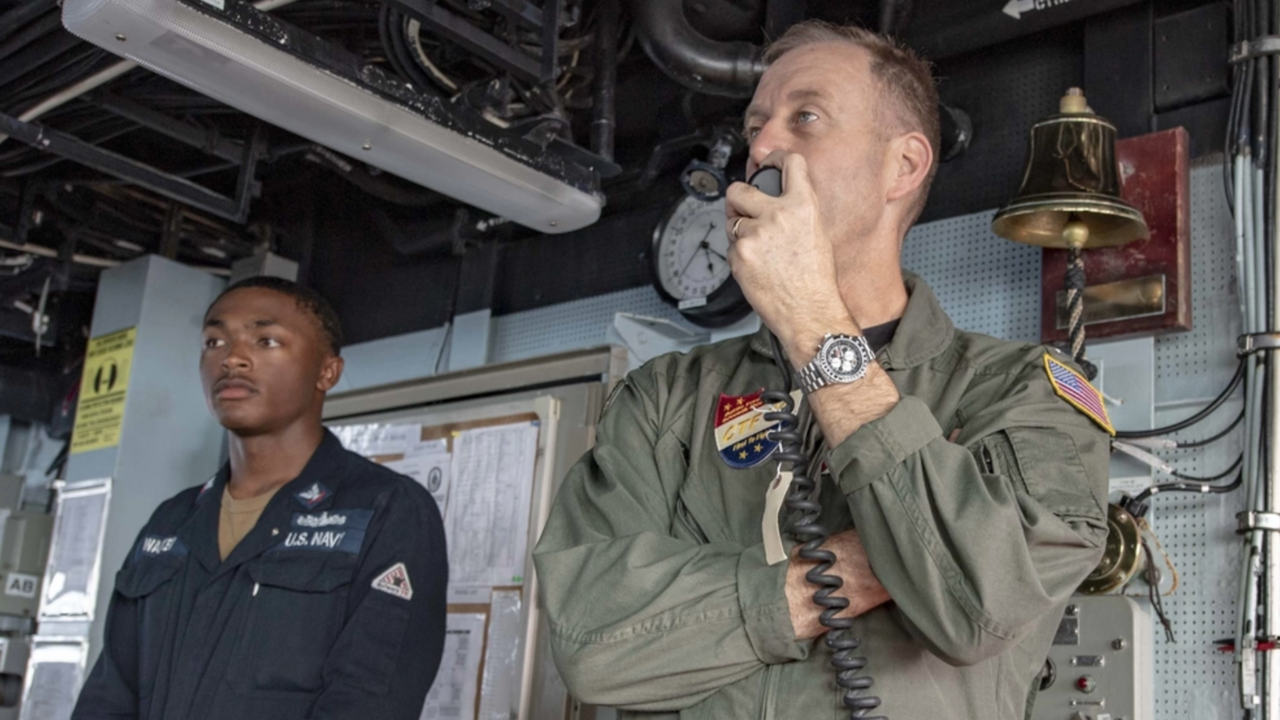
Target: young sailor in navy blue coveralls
<point x="302" y="581"/>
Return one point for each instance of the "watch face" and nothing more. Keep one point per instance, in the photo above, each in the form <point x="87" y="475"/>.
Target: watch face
<point x="691" y="249"/>
<point x="843" y="359"/>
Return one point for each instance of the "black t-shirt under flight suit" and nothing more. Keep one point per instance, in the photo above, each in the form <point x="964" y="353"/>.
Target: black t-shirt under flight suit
<point x="333" y="606"/>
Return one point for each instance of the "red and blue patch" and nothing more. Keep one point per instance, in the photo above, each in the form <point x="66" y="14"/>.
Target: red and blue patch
<point x="741" y="432"/>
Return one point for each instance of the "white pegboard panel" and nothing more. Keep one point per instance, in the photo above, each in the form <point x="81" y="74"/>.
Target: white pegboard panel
<point x="1193" y="680"/>
<point x="1198" y="363"/>
<point x="569" y="326"/>
<point x="986" y="283"/>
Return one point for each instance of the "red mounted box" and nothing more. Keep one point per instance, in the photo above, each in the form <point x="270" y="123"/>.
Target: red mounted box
<point x="1155" y="177"/>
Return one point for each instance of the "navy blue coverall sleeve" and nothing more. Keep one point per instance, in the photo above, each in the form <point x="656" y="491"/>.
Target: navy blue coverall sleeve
<point x="389" y="650"/>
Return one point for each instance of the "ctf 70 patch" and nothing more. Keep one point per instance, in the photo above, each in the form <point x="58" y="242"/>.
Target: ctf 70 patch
<point x="1076" y="390"/>
<point x="742" y="433"/>
<point x="395" y="581"/>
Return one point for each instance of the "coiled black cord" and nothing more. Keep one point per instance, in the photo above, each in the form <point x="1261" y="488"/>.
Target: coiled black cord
<point x="850" y="669"/>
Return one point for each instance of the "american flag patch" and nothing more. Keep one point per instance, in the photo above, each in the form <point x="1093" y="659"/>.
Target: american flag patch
<point x="1075" y="389"/>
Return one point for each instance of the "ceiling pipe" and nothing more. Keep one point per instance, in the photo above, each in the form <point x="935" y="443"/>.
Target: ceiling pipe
<point x="895" y="16"/>
<point x="728" y="69"/>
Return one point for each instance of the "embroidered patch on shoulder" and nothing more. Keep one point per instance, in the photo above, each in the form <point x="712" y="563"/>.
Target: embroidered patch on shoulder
<point x="1076" y="390"/>
<point x="395" y="582"/>
<point x="742" y="433"/>
<point x="313" y="495"/>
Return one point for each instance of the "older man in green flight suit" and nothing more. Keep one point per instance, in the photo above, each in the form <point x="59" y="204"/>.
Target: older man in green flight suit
<point x="965" y="477"/>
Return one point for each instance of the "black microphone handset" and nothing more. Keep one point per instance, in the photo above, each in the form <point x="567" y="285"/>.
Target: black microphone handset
<point x="801" y="498"/>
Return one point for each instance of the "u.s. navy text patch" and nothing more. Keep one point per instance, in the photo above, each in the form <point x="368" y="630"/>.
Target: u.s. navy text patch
<point x="331" y="531"/>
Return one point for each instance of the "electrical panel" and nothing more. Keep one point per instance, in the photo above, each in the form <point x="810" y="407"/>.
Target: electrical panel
<point x="1101" y="664"/>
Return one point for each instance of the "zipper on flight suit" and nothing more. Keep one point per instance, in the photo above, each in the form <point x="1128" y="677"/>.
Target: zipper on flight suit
<point x="769" y="693"/>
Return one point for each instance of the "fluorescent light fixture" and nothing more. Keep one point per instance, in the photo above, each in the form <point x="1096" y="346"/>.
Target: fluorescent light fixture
<point x="218" y="60"/>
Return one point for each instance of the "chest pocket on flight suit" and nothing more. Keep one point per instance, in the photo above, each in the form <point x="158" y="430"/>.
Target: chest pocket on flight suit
<point x="295" y="614"/>
<point x="147" y="584"/>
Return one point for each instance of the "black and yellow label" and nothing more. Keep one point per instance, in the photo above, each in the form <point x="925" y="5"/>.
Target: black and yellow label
<point x="103" y="386"/>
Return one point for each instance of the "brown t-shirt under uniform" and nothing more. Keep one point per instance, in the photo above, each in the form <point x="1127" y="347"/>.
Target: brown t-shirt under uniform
<point x="238" y="517"/>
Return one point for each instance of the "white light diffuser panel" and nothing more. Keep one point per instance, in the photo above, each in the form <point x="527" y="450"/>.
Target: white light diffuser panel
<point x="218" y="60"/>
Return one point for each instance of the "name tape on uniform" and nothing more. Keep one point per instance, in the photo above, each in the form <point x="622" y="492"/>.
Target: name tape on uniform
<point x="155" y="546"/>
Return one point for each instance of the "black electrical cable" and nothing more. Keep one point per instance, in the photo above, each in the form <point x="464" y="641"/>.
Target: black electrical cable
<point x="1198" y="417"/>
<point x="1153" y="591"/>
<point x="850" y="675"/>
<point x="1261" y="117"/>
<point x="36" y="55"/>
<point x="29" y="34"/>
<point x="24" y="13"/>
<point x="1191" y="478"/>
<point x="393" y="29"/>
<point x="1268" y="64"/>
<point x="58" y="74"/>
<point x="1191" y="487"/>
<point x="1210" y="440"/>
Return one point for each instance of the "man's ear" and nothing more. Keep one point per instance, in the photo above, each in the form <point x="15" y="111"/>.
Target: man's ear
<point x="910" y="159"/>
<point x="330" y="373"/>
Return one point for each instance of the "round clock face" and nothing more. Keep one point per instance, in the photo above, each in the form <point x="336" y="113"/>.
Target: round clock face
<point x="691" y="250"/>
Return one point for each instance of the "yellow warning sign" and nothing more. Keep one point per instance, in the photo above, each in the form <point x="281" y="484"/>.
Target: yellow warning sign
<point x="100" y="413"/>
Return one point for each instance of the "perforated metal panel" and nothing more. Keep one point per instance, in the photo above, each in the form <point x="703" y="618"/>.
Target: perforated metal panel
<point x="992" y="286"/>
<point x="986" y="283"/>
<point x="1193" y="680"/>
<point x="567" y="326"/>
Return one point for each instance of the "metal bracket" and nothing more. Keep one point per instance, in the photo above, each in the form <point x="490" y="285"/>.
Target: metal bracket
<point x="1268" y="45"/>
<point x="235" y="209"/>
<point x="1252" y="520"/>
<point x="1257" y="342"/>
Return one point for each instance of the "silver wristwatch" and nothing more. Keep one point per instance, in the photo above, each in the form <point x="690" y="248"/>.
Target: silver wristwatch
<point x="841" y="359"/>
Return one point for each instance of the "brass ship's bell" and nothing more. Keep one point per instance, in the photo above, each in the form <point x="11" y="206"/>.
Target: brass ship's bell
<point x="1070" y="196"/>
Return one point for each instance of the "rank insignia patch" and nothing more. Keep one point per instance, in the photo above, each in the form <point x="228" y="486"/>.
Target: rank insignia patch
<point x="742" y="433"/>
<point x="395" y="582"/>
<point x="313" y="495"/>
<point x="1076" y="390"/>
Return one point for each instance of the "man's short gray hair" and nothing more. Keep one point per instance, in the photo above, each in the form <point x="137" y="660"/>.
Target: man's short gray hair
<point x="905" y="79"/>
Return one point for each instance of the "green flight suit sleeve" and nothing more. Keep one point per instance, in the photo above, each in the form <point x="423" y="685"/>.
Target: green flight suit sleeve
<point x="641" y="619"/>
<point x="975" y="543"/>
